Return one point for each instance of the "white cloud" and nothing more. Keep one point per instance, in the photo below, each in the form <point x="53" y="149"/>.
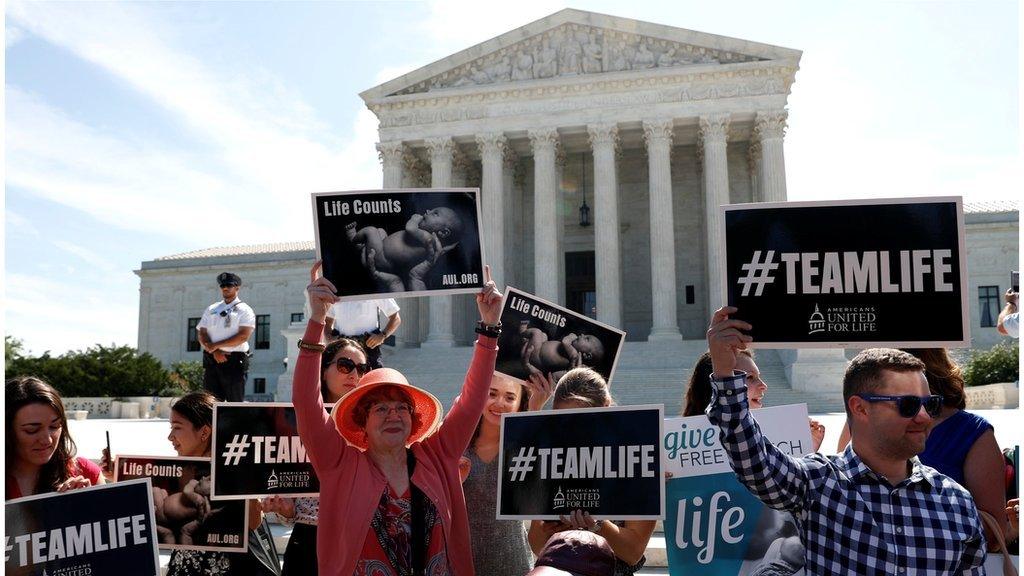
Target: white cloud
<point x="477" y="22"/>
<point x="12" y="35"/>
<point x="39" y="306"/>
<point x="85" y="254"/>
<point x="270" y="148"/>
<point x="20" y="224"/>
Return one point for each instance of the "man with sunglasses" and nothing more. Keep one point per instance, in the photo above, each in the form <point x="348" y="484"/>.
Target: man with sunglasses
<point x="224" y="331"/>
<point x="874" y="508"/>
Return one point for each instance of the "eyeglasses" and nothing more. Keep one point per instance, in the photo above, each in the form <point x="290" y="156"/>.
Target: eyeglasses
<point x="383" y="410"/>
<point x="909" y="406"/>
<point x="346" y="366"/>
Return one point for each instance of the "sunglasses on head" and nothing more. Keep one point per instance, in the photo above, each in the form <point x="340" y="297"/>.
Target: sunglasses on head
<point x="909" y="406"/>
<point x="346" y="366"/>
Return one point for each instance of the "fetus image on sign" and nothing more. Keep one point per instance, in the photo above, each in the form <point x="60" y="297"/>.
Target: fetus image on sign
<point x="401" y="260"/>
<point x="539" y="354"/>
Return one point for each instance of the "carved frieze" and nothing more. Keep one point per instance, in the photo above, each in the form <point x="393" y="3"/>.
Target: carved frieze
<point x="605" y="93"/>
<point x="572" y="50"/>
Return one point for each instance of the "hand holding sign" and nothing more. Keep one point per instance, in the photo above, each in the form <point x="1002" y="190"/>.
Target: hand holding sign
<point x="541" y="387"/>
<point x="321" y="294"/>
<point x="488" y="301"/>
<point x="725" y="339"/>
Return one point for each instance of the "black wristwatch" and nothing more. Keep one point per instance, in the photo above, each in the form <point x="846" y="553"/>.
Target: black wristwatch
<point x="489" y="330"/>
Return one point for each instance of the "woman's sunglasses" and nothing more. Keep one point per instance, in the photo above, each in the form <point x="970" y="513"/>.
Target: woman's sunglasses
<point x="909" y="406"/>
<point x="346" y="366"/>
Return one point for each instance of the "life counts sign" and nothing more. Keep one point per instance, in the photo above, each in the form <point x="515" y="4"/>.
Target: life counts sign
<point x="259" y="452"/>
<point x="856" y="274"/>
<point x="605" y="461"/>
<point x="98" y="530"/>
<point x="392" y="243"/>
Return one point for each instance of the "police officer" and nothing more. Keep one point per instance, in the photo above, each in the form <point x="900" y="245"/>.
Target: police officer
<point x="224" y="332"/>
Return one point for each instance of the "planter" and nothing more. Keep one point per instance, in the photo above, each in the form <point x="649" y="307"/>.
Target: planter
<point x="130" y="410"/>
<point x="990" y="396"/>
<point x="115" y="408"/>
<point x="78" y="414"/>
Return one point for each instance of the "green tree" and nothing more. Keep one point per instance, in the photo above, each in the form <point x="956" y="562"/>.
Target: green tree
<point x="992" y="366"/>
<point x="184" y="377"/>
<point x="13" y="349"/>
<point x="98" y="371"/>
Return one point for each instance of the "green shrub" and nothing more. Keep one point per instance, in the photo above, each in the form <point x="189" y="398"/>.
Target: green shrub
<point x="992" y="366"/>
<point x="116" y="371"/>
<point x="184" y="377"/>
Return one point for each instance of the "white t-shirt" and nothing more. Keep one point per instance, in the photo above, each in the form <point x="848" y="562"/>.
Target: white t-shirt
<point x="219" y="327"/>
<point x="1011" y="323"/>
<point x="360" y="317"/>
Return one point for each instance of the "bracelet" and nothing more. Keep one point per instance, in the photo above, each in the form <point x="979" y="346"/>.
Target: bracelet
<point x="489" y="330"/>
<point x="307" y="346"/>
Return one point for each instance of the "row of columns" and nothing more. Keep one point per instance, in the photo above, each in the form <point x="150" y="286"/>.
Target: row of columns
<point x="768" y="162"/>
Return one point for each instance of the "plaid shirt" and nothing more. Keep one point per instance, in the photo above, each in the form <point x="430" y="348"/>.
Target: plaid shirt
<point x="851" y="520"/>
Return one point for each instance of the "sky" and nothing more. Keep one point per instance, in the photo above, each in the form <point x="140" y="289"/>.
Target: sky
<point x="140" y="130"/>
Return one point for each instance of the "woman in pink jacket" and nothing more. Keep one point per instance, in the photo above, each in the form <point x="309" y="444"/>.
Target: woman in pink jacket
<point x="391" y="499"/>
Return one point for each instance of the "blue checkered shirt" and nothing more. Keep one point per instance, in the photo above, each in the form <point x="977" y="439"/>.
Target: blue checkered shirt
<point x="852" y="521"/>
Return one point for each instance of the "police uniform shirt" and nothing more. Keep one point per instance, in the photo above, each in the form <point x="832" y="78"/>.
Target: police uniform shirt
<point x="219" y="327"/>
<point x="360" y="317"/>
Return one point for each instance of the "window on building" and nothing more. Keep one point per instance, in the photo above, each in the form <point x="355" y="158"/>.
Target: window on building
<point x="192" y="336"/>
<point x="259" y="385"/>
<point x="263" y="331"/>
<point x="988" y="305"/>
<point x="297" y="316"/>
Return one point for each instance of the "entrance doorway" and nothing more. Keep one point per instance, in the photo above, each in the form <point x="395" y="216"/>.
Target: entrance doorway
<point x="580" y="283"/>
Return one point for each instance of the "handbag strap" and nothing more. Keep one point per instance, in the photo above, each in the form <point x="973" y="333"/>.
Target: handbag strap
<point x="988" y="520"/>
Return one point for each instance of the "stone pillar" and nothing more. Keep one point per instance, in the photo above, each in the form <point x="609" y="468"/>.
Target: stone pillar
<point x="546" y="248"/>
<point x="511" y="188"/>
<point x="391" y="157"/>
<point x="604" y="139"/>
<point x="492" y="188"/>
<point x="658" y="137"/>
<point x="769" y="128"/>
<point x="714" y="130"/>
<point x="440" y="332"/>
<point x="754" y="169"/>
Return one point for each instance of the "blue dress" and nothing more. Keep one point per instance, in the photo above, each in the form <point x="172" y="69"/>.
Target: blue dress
<point x="949" y="441"/>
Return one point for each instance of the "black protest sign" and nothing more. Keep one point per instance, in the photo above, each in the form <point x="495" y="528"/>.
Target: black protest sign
<point x="852" y="274"/>
<point x="98" y="530"/>
<point x="186" y="517"/>
<point x="421" y="242"/>
<point x="541" y="337"/>
<point x="605" y="461"/>
<point x="258" y="452"/>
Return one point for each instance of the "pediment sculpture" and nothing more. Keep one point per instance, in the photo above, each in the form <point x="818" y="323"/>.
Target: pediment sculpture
<point x="573" y="50"/>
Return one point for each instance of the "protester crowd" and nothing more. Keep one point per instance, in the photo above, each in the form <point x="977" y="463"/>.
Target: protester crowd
<point x="407" y="489"/>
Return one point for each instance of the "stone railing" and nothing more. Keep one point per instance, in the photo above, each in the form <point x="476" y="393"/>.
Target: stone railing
<point x="1006" y="395"/>
<point x="130" y="407"/>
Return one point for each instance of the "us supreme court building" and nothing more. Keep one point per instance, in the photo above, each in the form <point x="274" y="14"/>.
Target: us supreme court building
<point x="602" y="147"/>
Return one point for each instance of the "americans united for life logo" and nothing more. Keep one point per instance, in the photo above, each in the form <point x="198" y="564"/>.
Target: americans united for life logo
<point x="843" y="320"/>
<point x="272" y="480"/>
<point x="576" y="498"/>
<point x="817" y="321"/>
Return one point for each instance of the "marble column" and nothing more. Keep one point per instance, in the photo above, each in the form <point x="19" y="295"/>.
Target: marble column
<point x="658" y="137"/>
<point x="440" y="332"/>
<point x="714" y="130"/>
<point x="392" y="158"/>
<point x="754" y="169"/>
<point x="769" y="129"/>
<point x="546" y="248"/>
<point x="604" y="139"/>
<point x="492" y="188"/>
<point x="513" y="211"/>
